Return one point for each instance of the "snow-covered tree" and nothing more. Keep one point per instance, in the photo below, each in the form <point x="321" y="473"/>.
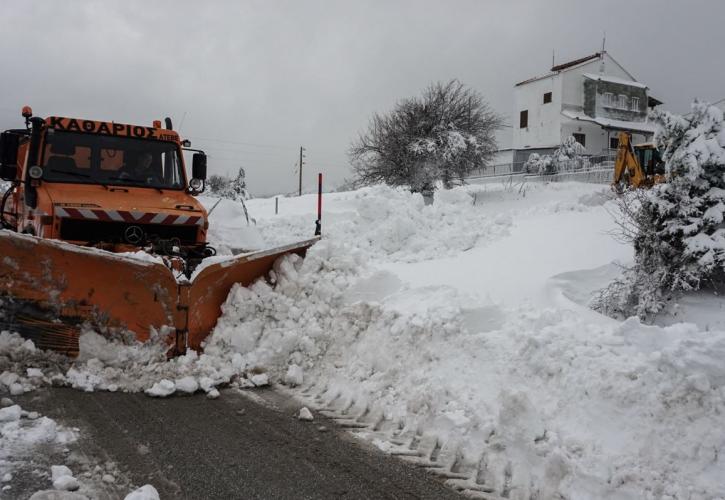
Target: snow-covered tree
<point x="441" y="136"/>
<point x="570" y="149"/>
<point x="231" y="188"/>
<point x="678" y="228"/>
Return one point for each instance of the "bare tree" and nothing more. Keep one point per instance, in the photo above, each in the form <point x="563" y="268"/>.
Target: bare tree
<point x="441" y="136"/>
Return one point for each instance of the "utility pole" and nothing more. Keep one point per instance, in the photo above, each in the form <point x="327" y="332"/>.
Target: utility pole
<point x="302" y="150"/>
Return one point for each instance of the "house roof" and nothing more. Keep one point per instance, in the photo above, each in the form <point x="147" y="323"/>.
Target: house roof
<point x="555" y="70"/>
<point x="576" y="62"/>
<point x="561" y="67"/>
<point x="609" y="123"/>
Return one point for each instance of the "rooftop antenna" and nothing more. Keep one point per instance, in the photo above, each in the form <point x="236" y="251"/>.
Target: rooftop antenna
<point x="601" y="54"/>
<point x="553" y="57"/>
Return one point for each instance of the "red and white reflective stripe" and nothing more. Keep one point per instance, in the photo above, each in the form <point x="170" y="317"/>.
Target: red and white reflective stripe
<point x="132" y="217"/>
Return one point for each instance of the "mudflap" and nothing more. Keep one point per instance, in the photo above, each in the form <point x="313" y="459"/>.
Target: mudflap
<point x="209" y="289"/>
<point x="49" y="289"/>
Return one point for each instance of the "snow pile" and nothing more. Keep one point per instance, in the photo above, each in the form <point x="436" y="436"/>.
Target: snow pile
<point x="395" y="224"/>
<point x="110" y="365"/>
<point x="136" y="367"/>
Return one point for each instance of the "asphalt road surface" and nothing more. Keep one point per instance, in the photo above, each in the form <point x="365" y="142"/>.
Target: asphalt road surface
<point x="234" y="447"/>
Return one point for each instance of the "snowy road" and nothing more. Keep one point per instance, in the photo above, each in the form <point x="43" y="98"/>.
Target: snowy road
<point x="233" y="447"/>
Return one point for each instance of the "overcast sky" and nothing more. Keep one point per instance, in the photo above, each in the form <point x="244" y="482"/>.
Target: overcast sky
<point x="251" y="82"/>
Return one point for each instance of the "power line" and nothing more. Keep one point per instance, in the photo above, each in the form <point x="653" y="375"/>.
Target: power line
<point x="273" y="146"/>
<point x="232" y="150"/>
<point x="252" y="144"/>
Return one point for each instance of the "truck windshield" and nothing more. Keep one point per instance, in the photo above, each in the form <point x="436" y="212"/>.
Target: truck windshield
<point x="110" y="160"/>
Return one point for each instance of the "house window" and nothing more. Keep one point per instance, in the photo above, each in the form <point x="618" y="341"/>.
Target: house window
<point x="635" y="104"/>
<point x="622" y="101"/>
<point x="613" y="142"/>
<point x="524" y="119"/>
<point x="580" y="138"/>
<point x="547" y="97"/>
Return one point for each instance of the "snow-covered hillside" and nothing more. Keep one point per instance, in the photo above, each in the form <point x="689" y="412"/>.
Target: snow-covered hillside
<point x="458" y="334"/>
<point x="463" y="326"/>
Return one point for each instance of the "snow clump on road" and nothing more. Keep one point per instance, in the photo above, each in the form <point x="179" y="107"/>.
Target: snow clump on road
<point x="23" y="435"/>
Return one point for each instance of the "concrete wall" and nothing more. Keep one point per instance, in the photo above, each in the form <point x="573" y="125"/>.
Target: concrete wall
<point x="544" y="119"/>
<point x="595" y="93"/>
<point x="502" y="156"/>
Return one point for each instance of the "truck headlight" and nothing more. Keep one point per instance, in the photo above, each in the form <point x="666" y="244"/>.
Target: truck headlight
<point x="35" y="172"/>
<point x="195" y="184"/>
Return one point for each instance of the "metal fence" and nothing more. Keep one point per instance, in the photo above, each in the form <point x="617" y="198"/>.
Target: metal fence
<point x="592" y="168"/>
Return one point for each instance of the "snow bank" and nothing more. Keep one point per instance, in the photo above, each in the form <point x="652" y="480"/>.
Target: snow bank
<point x="394" y="224"/>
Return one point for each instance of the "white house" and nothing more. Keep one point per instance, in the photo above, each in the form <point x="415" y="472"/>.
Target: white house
<point x="592" y="99"/>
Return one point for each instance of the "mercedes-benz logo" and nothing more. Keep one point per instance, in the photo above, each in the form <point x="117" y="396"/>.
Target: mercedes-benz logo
<point x="133" y="235"/>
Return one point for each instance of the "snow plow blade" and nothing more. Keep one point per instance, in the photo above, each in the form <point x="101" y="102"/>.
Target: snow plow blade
<point x="209" y="289"/>
<point x="50" y="290"/>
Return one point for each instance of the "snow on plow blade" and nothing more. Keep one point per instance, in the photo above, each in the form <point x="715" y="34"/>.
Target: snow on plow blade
<point x="49" y="289"/>
<point x="210" y="287"/>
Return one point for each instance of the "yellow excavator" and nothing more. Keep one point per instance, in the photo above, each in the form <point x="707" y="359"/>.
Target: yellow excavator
<point x="637" y="166"/>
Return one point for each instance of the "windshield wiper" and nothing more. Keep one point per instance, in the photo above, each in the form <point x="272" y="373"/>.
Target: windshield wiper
<point x="135" y="181"/>
<point x="67" y="172"/>
<point x="126" y="179"/>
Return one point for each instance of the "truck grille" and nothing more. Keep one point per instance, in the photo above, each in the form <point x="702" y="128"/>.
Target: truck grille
<point x="112" y="232"/>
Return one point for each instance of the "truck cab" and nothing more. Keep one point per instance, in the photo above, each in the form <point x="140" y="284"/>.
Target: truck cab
<point x="108" y="185"/>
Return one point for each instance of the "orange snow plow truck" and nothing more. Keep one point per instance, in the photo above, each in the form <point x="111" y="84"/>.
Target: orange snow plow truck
<point x="83" y="194"/>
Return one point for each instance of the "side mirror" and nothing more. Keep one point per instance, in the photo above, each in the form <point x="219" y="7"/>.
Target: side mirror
<point x="9" y="144"/>
<point x="198" y="166"/>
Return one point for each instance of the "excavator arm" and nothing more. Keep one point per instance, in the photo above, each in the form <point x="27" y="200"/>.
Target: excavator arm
<point x="627" y="169"/>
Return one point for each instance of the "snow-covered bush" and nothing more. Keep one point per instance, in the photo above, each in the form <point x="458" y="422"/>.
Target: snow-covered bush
<point x="676" y="228"/>
<point x="567" y="157"/>
<point x="225" y="187"/>
<point x="540" y="165"/>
